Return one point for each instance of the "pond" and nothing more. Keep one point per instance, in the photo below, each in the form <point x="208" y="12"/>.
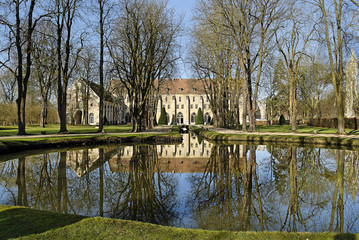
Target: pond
<point x="196" y="184"/>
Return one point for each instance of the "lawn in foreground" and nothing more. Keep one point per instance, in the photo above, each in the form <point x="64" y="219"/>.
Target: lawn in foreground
<point x="25" y="223"/>
<point x="55" y="128"/>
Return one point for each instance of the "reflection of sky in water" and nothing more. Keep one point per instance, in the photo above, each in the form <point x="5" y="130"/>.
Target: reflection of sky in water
<point x="316" y="185"/>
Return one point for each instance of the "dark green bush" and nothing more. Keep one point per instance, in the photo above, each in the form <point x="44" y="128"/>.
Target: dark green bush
<point x="199" y="118"/>
<point x="163" y="117"/>
<point x="282" y="120"/>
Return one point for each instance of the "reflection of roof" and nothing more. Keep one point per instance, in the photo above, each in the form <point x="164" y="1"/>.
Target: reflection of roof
<point x="174" y="165"/>
<point x="75" y="162"/>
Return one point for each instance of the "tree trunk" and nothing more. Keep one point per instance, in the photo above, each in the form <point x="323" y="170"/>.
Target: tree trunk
<point x="340" y="111"/>
<point x="21" y="103"/>
<point x="43" y="115"/>
<point x="100" y="126"/>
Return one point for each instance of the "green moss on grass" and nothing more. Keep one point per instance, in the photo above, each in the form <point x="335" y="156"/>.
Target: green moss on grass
<point x="25" y="223"/>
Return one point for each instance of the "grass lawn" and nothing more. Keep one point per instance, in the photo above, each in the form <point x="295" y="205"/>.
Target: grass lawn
<point x="301" y="129"/>
<point x="54" y="128"/>
<point x="25" y="223"/>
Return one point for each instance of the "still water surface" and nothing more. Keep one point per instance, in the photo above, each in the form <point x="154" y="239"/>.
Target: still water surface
<point x="194" y="185"/>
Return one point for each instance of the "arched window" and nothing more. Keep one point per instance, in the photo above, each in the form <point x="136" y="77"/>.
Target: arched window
<point x="207" y="118"/>
<point x="193" y="117"/>
<point x="92" y="118"/>
<point x="180" y="118"/>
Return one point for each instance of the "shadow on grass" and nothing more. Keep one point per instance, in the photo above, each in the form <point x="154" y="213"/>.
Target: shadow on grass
<point x="345" y="236"/>
<point x="17" y="222"/>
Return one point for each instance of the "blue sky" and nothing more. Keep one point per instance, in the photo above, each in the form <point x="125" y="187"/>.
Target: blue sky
<point x="184" y="7"/>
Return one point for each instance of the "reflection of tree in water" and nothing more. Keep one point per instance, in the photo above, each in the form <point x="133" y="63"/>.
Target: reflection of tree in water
<point x="337" y="212"/>
<point x="232" y="193"/>
<point x="300" y="179"/>
<point x="144" y="193"/>
<point x="223" y="195"/>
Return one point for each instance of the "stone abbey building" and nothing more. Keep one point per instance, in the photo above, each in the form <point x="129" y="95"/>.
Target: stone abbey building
<point x="181" y="99"/>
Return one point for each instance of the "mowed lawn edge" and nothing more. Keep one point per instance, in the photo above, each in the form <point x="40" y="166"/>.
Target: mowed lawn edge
<point x="320" y="140"/>
<point x="10" y="145"/>
<point x="26" y="223"/>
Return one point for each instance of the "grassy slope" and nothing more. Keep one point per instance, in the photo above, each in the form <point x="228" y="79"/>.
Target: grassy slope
<point x="34" y="224"/>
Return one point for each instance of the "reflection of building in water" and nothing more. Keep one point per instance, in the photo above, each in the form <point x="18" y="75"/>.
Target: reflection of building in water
<point x="190" y="156"/>
<point x="86" y="160"/>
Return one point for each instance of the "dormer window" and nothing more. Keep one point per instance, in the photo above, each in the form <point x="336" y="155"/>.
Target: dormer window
<point x="194" y="89"/>
<point x="181" y="89"/>
<point x="167" y="89"/>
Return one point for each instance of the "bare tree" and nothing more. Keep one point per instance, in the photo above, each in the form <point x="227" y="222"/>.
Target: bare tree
<point x="65" y="12"/>
<point x="142" y="48"/>
<point x="335" y="29"/>
<point x="104" y="7"/>
<point x="21" y="29"/>
<point x="215" y="63"/>
<point x="44" y="56"/>
<point x="292" y="45"/>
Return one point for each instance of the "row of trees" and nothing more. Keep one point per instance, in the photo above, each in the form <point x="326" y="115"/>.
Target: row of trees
<point x="47" y="44"/>
<point x="236" y="43"/>
<point x="236" y="47"/>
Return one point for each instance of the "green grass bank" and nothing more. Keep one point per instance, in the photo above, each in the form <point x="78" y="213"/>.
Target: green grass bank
<point x="24" y="223"/>
<point x="55" y="128"/>
<point x="10" y="145"/>
<point x="262" y="138"/>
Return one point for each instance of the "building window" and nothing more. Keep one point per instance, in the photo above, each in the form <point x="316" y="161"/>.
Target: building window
<point x="194" y="99"/>
<point x="182" y="106"/>
<point x="166" y="99"/>
<point x="196" y="106"/>
<point x="194" y="152"/>
<point x="204" y="106"/>
<point x="179" y="99"/>
<point x="169" y="106"/>
<point x="180" y="118"/>
<point x="193" y="117"/>
<point x="177" y="106"/>
<point x="191" y="106"/>
<point x="92" y="118"/>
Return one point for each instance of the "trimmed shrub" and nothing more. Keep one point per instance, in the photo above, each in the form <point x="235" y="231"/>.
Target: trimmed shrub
<point x="163" y="117"/>
<point x="282" y="120"/>
<point x="199" y="118"/>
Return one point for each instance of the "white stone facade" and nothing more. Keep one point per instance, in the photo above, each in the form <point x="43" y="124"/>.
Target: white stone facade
<point x="81" y="93"/>
<point x="351" y="89"/>
<point x="181" y="99"/>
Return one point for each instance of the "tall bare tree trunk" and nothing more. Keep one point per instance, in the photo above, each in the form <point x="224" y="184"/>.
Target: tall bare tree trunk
<point x="101" y="119"/>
